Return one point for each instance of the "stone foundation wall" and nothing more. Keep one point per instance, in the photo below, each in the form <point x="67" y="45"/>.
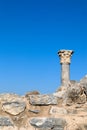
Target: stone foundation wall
<point x="65" y="109"/>
<point x="40" y="112"/>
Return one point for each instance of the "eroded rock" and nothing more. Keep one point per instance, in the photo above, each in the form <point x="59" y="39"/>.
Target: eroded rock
<point x="5" y="121"/>
<point x="74" y="94"/>
<point x="83" y="82"/>
<point x="43" y="100"/>
<point x="14" y="108"/>
<point x="10" y="97"/>
<point x="48" y="123"/>
<point x="31" y="93"/>
<point x="60" y="94"/>
<point x="58" y="110"/>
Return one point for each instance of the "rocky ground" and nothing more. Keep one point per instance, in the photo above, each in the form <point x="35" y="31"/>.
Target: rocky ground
<point x="66" y="109"/>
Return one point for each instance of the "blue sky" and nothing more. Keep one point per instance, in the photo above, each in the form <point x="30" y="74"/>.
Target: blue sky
<point x="31" y="33"/>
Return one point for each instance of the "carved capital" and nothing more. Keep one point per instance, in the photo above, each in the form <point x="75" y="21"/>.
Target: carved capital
<point x="65" y="56"/>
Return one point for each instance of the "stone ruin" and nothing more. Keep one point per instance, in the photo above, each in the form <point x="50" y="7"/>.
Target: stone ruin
<point x="65" y="109"/>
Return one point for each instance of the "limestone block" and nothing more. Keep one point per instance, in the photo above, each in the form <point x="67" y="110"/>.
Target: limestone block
<point x="59" y="94"/>
<point x="10" y="97"/>
<point x="43" y="100"/>
<point x="58" y="110"/>
<point x="5" y="121"/>
<point x="48" y="123"/>
<point x="14" y="108"/>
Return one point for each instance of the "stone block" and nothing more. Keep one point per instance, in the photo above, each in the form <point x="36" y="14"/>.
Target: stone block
<point x="43" y="100"/>
<point x="48" y="123"/>
<point x="14" y="108"/>
<point x="5" y="121"/>
<point x="58" y="110"/>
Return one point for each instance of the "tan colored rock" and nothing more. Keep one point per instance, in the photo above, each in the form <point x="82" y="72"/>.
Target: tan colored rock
<point x="31" y="93"/>
<point x="73" y="126"/>
<point x="9" y="128"/>
<point x="58" y="110"/>
<point x="81" y="99"/>
<point x="59" y="94"/>
<point x="14" y="108"/>
<point x="74" y="94"/>
<point x="7" y="97"/>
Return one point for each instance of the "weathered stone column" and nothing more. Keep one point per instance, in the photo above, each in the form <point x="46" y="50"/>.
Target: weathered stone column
<point x="65" y="56"/>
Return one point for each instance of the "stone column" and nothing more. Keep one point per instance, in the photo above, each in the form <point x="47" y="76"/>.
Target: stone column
<point x="65" y="56"/>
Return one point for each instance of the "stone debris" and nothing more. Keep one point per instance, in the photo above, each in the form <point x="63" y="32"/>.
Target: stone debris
<point x="34" y="111"/>
<point x="74" y="93"/>
<point x="59" y="94"/>
<point x="31" y="93"/>
<point x="83" y="82"/>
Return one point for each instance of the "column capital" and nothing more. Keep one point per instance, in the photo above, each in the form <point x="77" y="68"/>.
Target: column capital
<point x="65" y="56"/>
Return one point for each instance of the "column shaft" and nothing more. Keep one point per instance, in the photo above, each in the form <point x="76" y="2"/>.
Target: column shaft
<point x="65" y="74"/>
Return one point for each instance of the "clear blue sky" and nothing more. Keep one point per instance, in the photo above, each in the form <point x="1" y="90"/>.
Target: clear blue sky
<point x="31" y="33"/>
